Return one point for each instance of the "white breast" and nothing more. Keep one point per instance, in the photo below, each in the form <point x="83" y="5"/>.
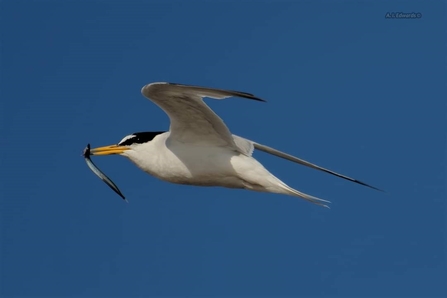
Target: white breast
<point x="185" y="163"/>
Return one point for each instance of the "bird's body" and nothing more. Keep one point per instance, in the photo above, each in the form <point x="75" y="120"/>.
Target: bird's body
<point x="199" y="149"/>
<point x="201" y="165"/>
<point x="183" y="163"/>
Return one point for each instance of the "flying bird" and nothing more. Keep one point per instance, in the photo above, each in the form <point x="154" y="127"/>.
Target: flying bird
<point x="199" y="149"/>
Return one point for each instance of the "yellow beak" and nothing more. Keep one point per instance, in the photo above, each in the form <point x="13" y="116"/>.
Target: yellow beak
<point x="108" y="150"/>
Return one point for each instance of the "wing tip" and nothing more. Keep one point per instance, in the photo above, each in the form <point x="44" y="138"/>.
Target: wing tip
<point x="258" y="99"/>
<point x="246" y="95"/>
<point x="370" y="186"/>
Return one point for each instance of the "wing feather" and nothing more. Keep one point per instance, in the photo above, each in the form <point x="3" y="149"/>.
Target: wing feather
<point x="245" y="146"/>
<point x="281" y="154"/>
<point x="192" y="121"/>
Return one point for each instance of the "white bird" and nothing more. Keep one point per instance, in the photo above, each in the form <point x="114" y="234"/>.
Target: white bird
<point x="199" y="149"/>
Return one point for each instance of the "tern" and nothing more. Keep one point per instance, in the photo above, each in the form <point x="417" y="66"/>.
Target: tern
<point x="200" y="150"/>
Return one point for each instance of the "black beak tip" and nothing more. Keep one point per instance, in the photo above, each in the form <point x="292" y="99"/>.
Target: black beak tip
<point x="86" y="152"/>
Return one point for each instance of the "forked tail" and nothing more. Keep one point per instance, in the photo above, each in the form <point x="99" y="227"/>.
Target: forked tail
<point x="293" y="192"/>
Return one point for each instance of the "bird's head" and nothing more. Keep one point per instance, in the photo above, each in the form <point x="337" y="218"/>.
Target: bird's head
<point x="129" y="142"/>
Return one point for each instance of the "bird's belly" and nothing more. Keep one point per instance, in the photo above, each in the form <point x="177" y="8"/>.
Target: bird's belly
<point x="197" y="166"/>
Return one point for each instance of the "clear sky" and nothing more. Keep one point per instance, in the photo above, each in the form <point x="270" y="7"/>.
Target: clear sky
<point x="346" y="88"/>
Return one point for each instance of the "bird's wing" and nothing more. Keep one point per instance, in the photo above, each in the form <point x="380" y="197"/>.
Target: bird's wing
<point x="192" y="121"/>
<point x="245" y="146"/>
<point x="245" y="143"/>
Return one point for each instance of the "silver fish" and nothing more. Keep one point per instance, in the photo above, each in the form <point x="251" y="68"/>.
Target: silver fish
<point x="99" y="173"/>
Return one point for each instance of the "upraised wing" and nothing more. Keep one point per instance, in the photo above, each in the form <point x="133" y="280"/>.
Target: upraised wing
<point x="192" y="121"/>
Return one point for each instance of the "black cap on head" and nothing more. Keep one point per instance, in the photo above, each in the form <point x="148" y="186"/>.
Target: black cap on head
<point x="139" y="138"/>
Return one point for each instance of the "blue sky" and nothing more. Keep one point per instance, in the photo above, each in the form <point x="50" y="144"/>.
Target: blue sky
<point x="346" y="89"/>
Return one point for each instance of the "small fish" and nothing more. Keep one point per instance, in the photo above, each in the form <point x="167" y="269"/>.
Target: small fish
<point x="99" y="173"/>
